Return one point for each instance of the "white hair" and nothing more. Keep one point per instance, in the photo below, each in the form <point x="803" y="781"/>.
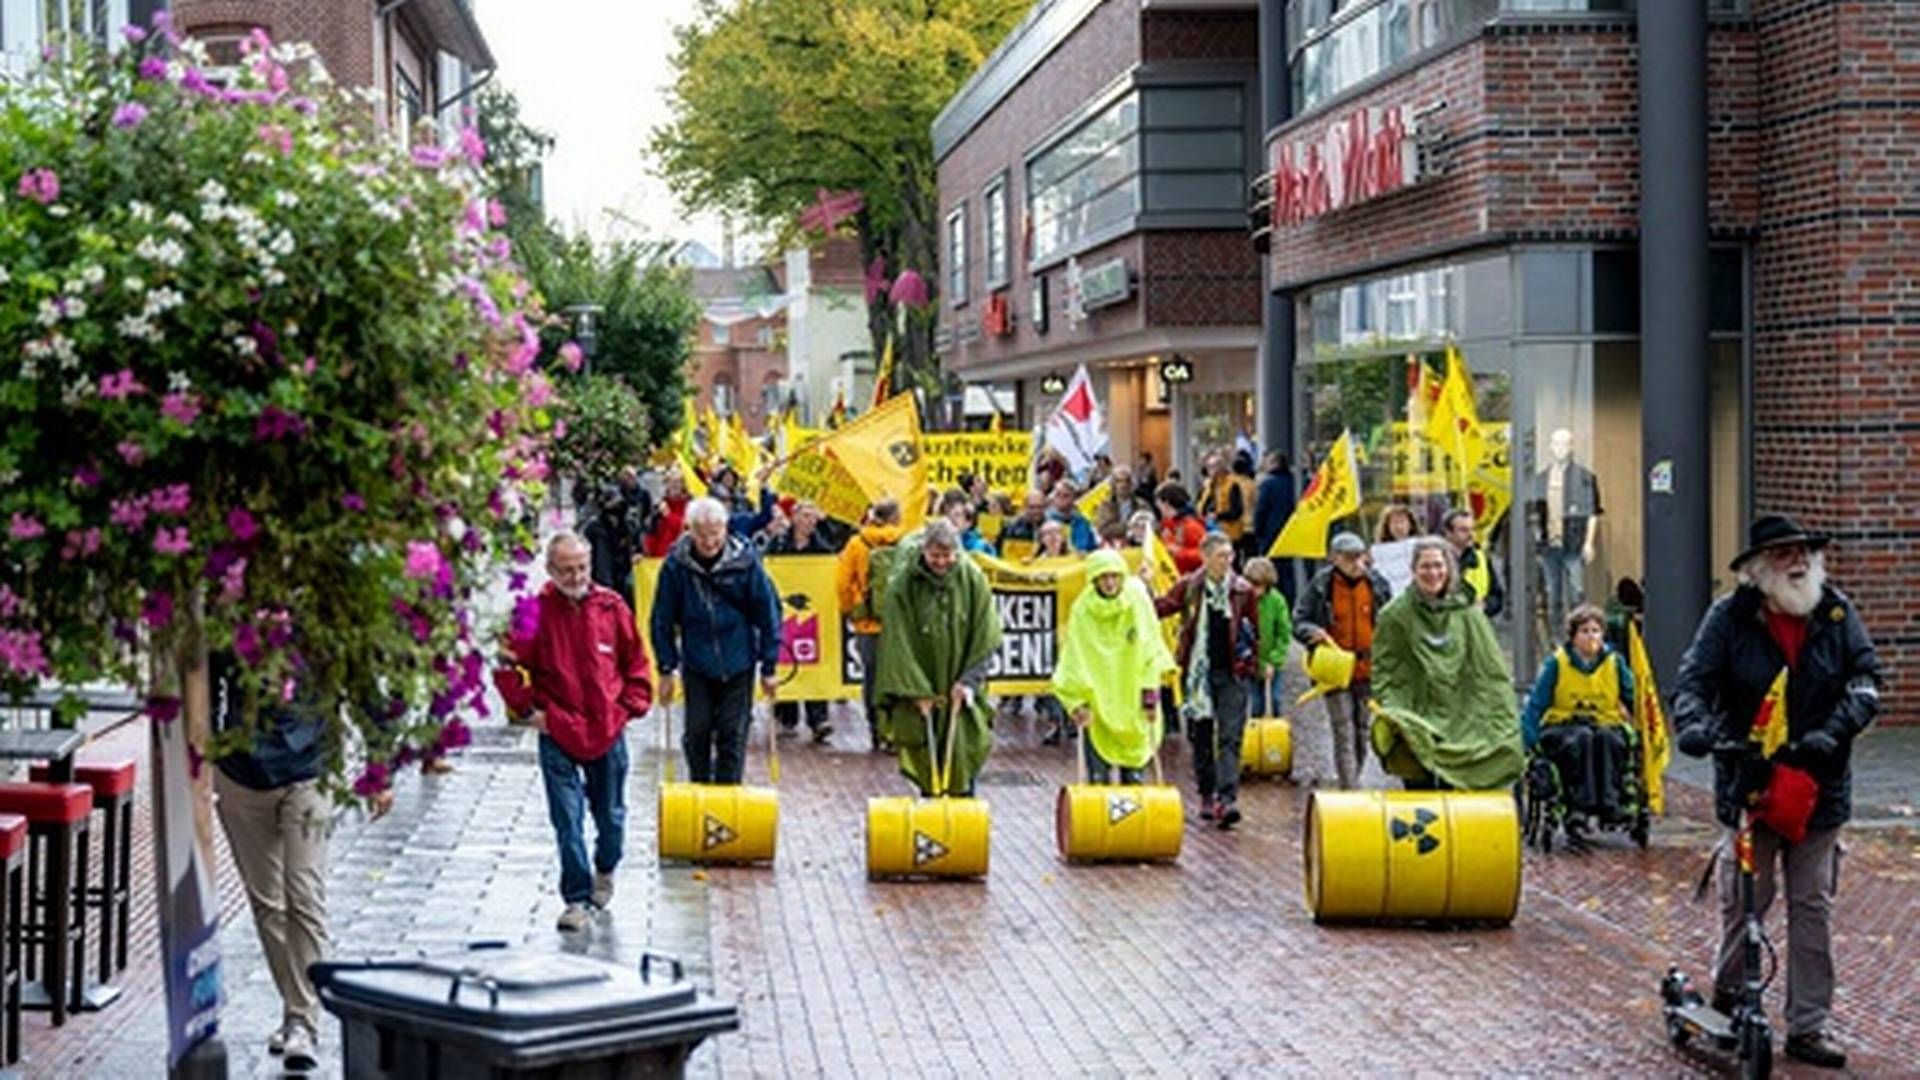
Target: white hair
<point x="706" y="509"/>
<point x="566" y="538"/>
<point x="940" y="533"/>
<point x="1797" y="596"/>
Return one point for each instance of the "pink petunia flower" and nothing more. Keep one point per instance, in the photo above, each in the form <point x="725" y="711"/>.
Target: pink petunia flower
<point x="276" y="423"/>
<point x="182" y="407"/>
<point x="157" y="609"/>
<point x="131" y="452"/>
<point x="120" y="384"/>
<point x="353" y="502"/>
<point x="86" y="476"/>
<point x="132" y="114"/>
<point x="241" y="523"/>
<point x="429" y="156"/>
<point x="164" y="710"/>
<point x="496" y="213"/>
<point x="909" y="289"/>
<point x="572" y="357"/>
<point x="153" y="69"/>
<point x="21" y="652"/>
<point x="233" y="581"/>
<point x="26" y="527"/>
<point x="174" y="499"/>
<point x="134" y="34"/>
<point x="129" y="514"/>
<point x="373" y="780"/>
<point x="246" y="644"/>
<point x="81" y="544"/>
<point x="40" y="185"/>
<point x="172" y="541"/>
<point x="473" y="146"/>
<point x="277" y="137"/>
<point x="424" y="561"/>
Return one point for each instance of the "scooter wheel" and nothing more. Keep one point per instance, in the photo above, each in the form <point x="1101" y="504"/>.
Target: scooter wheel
<point x="1756" y="1053"/>
<point x="1678" y="1033"/>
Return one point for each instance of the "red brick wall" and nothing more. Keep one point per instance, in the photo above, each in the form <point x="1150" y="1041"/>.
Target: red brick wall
<point x="1200" y="35"/>
<point x="1202" y="278"/>
<point x="341" y="30"/>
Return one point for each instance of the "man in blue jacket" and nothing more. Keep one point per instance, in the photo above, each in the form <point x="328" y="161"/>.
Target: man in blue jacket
<point x="716" y="615"/>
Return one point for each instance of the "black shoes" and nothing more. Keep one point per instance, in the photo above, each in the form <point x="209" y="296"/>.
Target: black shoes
<point x="1815" y="1049"/>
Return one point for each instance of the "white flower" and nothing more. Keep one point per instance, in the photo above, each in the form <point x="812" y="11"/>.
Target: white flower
<point x="77" y="391"/>
<point x="167" y="252"/>
<point x="178" y="222"/>
<point x="213" y="192"/>
<point x="274" y="277"/>
<point x="93" y="274"/>
<point x="179" y="382"/>
<point x="76" y="307"/>
<point x="291" y="331"/>
<point x="286" y="200"/>
<point x="49" y="313"/>
<point x="29" y="368"/>
<point x="140" y="211"/>
<point x="245" y="345"/>
<point x="255" y="156"/>
<point x="58" y="210"/>
<point x="282" y="244"/>
<point x="5" y="277"/>
<point x="134" y="284"/>
<point x="139" y="328"/>
<point x="163" y="300"/>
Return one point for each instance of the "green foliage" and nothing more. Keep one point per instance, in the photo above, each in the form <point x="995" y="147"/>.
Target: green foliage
<point x="777" y="99"/>
<point x="264" y="385"/>
<point x="601" y="428"/>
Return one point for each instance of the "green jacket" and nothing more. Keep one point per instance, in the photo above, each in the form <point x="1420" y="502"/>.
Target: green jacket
<point x="1276" y="629"/>
<point x="1444" y="699"/>
<point x="936" y="632"/>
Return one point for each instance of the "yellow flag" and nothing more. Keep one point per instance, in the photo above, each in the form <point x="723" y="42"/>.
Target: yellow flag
<point x="792" y="435"/>
<point x="1453" y="423"/>
<point x="1770" y="723"/>
<point x="689" y="424"/>
<point x="743" y="453"/>
<point x="1089" y="504"/>
<point x="1334" y="494"/>
<point x="1650" y="719"/>
<point x="878" y="454"/>
<point x="696" y="487"/>
<point x="883" y="379"/>
<point x="994" y="424"/>
<point x="716" y="435"/>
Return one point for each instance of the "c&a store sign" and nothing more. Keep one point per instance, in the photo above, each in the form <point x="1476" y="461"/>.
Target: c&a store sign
<point x="1360" y="156"/>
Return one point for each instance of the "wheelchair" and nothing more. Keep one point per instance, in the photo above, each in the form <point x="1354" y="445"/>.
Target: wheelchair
<point x="1549" y="805"/>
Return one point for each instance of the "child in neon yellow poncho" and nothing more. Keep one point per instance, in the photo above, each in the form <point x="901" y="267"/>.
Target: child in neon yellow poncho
<point x="1110" y="670"/>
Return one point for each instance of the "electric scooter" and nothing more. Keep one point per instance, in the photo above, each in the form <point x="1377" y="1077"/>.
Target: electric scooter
<point x="1744" y="1033"/>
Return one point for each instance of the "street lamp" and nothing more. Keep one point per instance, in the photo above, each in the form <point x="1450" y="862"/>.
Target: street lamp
<point x="585" y="331"/>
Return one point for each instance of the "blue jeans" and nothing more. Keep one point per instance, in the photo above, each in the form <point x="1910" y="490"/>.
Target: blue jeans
<point x="1566" y="574"/>
<point x="601" y="785"/>
<point x="1099" y="771"/>
<point x="1266" y="698"/>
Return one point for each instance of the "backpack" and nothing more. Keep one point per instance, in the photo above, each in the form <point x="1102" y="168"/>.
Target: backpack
<point x="881" y="563"/>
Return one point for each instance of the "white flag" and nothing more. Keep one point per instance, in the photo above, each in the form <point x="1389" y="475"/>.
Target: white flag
<point x="1078" y="427"/>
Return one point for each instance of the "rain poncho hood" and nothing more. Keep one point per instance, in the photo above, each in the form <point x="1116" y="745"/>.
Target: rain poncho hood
<point x="1443" y="695"/>
<point x="936" y="631"/>
<point x="1113" y="652"/>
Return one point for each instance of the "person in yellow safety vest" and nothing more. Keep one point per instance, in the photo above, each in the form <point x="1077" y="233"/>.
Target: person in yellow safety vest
<point x="1476" y="569"/>
<point x="1580" y="714"/>
<point x="1112" y="662"/>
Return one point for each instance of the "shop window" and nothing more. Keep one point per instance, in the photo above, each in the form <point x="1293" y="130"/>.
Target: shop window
<point x="957" y="255"/>
<point x="1336" y="46"/>
<point x="993" y="211"/>
<point x="1088" y="183"/>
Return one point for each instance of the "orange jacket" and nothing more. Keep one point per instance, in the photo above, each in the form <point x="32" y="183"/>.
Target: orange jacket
<point x="850" y="576"/>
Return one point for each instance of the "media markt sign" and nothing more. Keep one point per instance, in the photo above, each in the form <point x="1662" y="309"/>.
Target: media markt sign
<point x="1360" y="156"/>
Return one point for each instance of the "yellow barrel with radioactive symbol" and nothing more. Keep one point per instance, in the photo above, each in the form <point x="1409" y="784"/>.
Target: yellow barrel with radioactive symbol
<point x="718" y="823"/>
<point x="1267" y="748"/>
<point x="940" y="837"/>
<point x="1118" y="822"/>
<point x="1412" y="855"/>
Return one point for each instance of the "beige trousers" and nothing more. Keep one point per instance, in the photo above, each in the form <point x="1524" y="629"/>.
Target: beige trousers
<point x="279" y="842"/>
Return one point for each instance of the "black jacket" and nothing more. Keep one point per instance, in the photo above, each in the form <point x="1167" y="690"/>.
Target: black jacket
<point x="1731" y="664"/>
<point x="1273" y="504"/>
<point x="289" y="743"/>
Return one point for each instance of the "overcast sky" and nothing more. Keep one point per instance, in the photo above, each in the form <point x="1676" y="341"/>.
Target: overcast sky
<point x="593" y="74"/>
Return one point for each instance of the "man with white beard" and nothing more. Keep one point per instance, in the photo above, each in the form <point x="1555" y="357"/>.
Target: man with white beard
<point x="1783" y="614"/>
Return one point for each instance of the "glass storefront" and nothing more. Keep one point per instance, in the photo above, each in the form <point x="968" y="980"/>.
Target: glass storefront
<point x="1546" y="339"/>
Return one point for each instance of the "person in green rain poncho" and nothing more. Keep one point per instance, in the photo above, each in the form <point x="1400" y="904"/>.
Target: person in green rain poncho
<point x="1445" y="714"/>
<point x="1110" y="669"/>
<point x="938" y="630"/>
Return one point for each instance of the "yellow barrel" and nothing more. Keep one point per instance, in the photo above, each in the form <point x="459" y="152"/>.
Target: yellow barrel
<point x="726" y="823"/>
<point x="1267" y="748"/>
<point x="944" y="837"/>
<point x="1119" y="822"/>
<point x="1385" y="855"/>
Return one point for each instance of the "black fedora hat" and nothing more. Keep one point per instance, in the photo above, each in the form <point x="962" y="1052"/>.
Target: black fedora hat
<point x="1776" y="530"/>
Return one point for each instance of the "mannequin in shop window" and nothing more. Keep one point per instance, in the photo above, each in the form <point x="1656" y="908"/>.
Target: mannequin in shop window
<point x="1566" y="512"/>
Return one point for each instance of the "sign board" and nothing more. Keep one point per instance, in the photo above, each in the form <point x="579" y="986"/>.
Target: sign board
<point x="1349" y="160"/>
<point x="1001" y="457"/>
<point x="1105" y="284"/>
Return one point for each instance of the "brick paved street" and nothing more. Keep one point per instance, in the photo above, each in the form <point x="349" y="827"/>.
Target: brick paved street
<point x="1207" y="967"/>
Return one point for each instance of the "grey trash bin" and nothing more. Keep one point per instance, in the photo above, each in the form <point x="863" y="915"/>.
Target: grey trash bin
<point x="522" y="1013"/>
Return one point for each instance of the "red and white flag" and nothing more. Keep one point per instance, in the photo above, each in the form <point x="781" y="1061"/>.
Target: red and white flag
<point x="1078" y="427"/>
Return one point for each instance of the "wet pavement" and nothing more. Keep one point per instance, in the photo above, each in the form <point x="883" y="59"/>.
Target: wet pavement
<point x="1208" y="966"/>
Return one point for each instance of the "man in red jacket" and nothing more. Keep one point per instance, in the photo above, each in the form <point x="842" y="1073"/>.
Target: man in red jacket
<point x="586" y="677"/>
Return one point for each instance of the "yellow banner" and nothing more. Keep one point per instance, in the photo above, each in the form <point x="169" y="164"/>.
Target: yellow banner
<point x="879" y="453"/>
<point x="1002" y="458"/>
<point x="1650" y="719"/>
<point x="826" y="483"/>
<point x="1031" y="600"/>
<point x="1334" y="494"/>
<point x="1454" y="423"/>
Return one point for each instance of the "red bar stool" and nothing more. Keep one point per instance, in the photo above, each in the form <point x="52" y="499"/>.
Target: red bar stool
<point x="13" y="887"/>
<point x="57" y="817"/>
<point x="112" y="784"/>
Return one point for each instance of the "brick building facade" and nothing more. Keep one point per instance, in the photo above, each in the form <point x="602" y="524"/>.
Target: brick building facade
<point x="1112" y="141"/>
<point x="1516" y="239"/>
<point x="424" y="57"/>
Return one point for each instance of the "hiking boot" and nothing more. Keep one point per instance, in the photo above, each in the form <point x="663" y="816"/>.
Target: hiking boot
<point x="1229" y="814"/>
<point x="822" y="733"/>
<point x="1815" y="1049"/>
<point x="602" y="890"/>
<point x="1207" y="808"/>
<point x="576" y="919"/>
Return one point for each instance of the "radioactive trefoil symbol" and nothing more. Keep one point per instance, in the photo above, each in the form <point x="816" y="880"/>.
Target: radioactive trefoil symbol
<point x="926" y="849"/>
<point x="1416" y="831"/>
<point x="717" y="834"/>
<point x="1120" y="808"/>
